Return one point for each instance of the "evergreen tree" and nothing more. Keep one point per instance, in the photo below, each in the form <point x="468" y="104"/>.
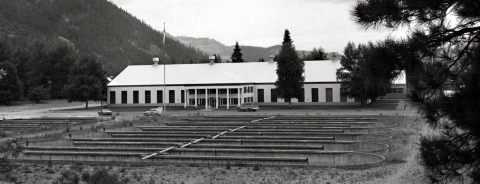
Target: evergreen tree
<point x="316" y="54"/>
<point x="10" y="85"/>
<point x="87" y="81"/>
<point x="218" y="59"/>
<point x="290" y="71"/>
<point x="237" y="55"/>
<point x="442" y="59"/>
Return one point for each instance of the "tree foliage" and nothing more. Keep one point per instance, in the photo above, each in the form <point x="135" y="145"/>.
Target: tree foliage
<point x="87" y="81"/>
<point x="441" y="56"/>
<point x="290" y="71"/>
<point x="10" y="85"/>
<point x="38" y="93"/>
<point x="316" y="54"/>
<point x="12" y="148"/>
<point x="368" y="70"/>
<point x="237" y="55"/>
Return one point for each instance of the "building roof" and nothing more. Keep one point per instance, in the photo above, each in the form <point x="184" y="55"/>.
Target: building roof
<point x="219" y="73"/>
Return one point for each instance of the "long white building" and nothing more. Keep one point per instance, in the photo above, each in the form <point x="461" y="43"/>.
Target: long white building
<point x="220" y="85"/>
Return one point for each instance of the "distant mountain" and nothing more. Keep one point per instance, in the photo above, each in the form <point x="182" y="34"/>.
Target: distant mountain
<point x="211" y="46"/>
<point x="94" y="27"/>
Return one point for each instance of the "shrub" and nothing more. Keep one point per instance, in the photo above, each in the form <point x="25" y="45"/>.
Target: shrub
<point x="11" y="149"/>
<point x="86" y="176"/>
<point x="256" y="167"/>
<point x="68" y="177"/>
<point x="101" y="176"/>
<point x="37" y="94"/>
<point x="228" y="165"/>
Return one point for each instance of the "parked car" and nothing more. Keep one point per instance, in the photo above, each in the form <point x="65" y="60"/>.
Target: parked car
<point x="105" y="112"/>
<point x="249" y="106"/>
<point x="153" y="111"/>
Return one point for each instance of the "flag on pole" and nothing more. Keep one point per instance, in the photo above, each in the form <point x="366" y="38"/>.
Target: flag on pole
<point x="163" y="33"/>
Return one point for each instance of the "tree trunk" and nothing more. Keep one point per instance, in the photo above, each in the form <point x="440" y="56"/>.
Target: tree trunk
<point x="86" y="106"/>
<point x="290" y="103"/>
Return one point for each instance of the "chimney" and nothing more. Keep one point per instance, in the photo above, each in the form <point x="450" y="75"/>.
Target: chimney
<point x="271" y="58"/>
<point x="212" y="60"/>
<point x="155" y="61"/>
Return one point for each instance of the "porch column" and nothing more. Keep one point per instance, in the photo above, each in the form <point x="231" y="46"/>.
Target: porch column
<point x="206" y="98"/>
<point x="185" y="98"/>
<point x="238" y="96"/>
<point x="216" y="98"/>
<point x="228" y="98"/>
<point x="195" y="100"/>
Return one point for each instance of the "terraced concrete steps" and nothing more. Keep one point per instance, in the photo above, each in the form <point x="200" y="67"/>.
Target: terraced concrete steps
<point x="284" y="140"/>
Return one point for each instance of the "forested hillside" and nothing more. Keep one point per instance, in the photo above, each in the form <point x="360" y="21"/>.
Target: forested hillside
<point x="90" y="27"/>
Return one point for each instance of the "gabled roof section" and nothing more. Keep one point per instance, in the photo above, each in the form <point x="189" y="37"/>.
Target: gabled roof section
<point x="219" y="73"/>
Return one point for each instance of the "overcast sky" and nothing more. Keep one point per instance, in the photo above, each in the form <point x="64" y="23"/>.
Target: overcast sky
<point x="312" y="23"/>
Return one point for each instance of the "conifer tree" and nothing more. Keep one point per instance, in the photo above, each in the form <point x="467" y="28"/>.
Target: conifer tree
<point x="237" y="55"/>
<point x="290" y="71"/>
<point x="87" y="81"/>
<point x="10" y="85"/>
<point x="442" y="62"/>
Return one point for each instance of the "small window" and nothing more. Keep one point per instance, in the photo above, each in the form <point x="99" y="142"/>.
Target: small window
<point x="159" y="96"/>
<point x="183" y="96"/>
<point x="314" y="94"/>
<point x="171" y="96"/>
<point x="273" y="97"/>
<point x="112" y="97"/>
<point x="135" y="96"/>
<point x="328" y="95"/>
<point x="124" y="97"/>
<point x="147" y="97"/>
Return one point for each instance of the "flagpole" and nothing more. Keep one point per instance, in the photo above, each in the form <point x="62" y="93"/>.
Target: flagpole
<point x="164" y="64"/>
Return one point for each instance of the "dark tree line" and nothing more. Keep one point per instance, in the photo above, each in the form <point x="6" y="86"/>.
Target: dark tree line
<point x="37" y="74"/>
<point x="442" y="60"/>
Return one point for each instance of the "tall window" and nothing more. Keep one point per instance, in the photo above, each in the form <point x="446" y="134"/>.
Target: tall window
<point x="124" y="97"/>
<point x="171" y="96"/>
<point x="302" y="96"/>
<point x="314" y="94"/>
<point x="183" y="96"/>
<point x="260" y="95"/>
<point x="343" y="98"/>
<point x="159" y="96"/>
<point x="273" y="97"/>
<point x="328" y="95"/>
<point x="147" y="96"/>
<point x="112" y="97"/>
<point x="135" y="96"/>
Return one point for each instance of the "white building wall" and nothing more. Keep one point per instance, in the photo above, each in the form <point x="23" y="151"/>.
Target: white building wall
<point x="266" y="87"/>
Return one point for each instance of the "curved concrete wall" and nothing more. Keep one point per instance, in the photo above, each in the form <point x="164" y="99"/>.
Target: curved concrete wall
<point x="316" y="158"/>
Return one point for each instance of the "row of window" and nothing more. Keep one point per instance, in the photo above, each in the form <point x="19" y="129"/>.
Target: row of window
<point x="328" y="95"/>
<point x="261" y="96"/>
<point x="148" y="96"/>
